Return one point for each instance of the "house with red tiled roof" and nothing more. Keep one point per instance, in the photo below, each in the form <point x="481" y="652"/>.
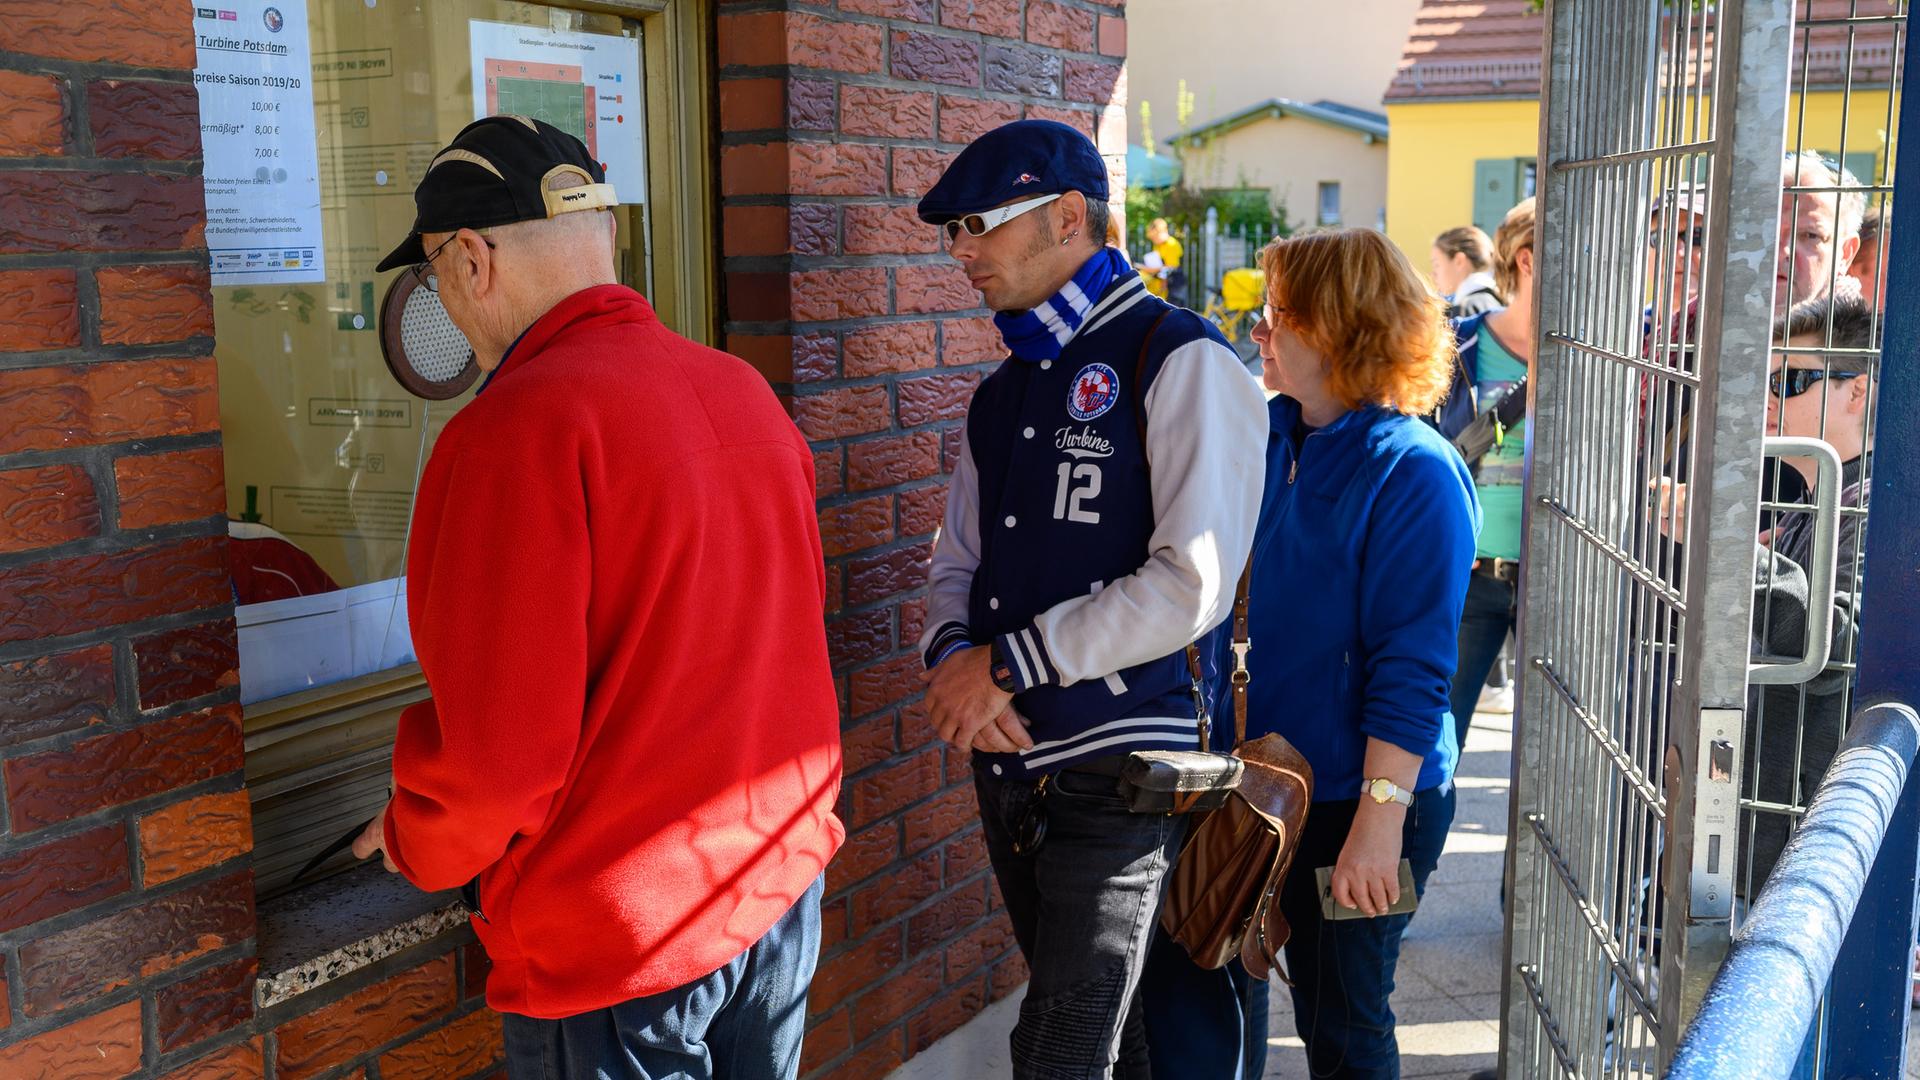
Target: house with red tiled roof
<point x="1464" y="106"/>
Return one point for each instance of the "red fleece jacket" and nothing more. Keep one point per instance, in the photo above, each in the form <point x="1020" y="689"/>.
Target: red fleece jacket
<point x="616" y="592"/>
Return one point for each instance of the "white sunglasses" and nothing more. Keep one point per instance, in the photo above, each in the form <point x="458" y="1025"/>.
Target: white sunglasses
<point x="988" y="220"/>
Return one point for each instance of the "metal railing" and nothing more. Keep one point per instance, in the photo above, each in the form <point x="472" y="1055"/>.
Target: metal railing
<point x="1757" y="1013"/>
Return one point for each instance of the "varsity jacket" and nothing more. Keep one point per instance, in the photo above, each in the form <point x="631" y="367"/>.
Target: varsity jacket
<point x="1093" y="557"/>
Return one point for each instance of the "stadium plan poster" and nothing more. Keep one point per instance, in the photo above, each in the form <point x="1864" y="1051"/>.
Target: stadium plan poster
<point x="254" y="72"/>
<point x="585" y="84"/>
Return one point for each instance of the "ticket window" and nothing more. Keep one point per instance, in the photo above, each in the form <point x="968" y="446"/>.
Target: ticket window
<point x="323" y="448"/>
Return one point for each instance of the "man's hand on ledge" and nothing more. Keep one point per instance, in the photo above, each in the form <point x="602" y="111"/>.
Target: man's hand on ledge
<point x="375" y="839"/>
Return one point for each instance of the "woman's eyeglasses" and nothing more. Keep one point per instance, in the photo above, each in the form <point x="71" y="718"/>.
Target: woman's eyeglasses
<point x="1792" y="382"/>
<point x="988" y="220"/>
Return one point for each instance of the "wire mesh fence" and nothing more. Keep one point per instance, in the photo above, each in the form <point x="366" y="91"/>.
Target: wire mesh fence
<point x="1644" y="455"/>
<point x="1703" y="286"/>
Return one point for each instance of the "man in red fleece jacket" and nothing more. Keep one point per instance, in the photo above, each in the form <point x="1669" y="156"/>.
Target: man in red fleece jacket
<point x="616" y="593"/>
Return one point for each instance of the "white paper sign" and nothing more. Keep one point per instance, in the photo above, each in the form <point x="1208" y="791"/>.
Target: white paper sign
<point x="585" y="84"/>
<point x="254" y="72"/>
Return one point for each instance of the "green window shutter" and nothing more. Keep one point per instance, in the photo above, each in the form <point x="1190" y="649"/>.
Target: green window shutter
<point x="1860" y="164"/>
<point x="1494" y="191"/>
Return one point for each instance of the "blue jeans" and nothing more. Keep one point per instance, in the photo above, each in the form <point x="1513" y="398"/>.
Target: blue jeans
<point x="1203" y="1023"/>
<point x="1083" y="908"/>
<point x="1343" y="971"/>
<point x="743" y="1022"/>
<point x="1485" y="622"/>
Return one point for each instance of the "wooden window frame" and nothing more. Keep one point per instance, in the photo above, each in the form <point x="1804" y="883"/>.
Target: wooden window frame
<point x="317" y="761"/>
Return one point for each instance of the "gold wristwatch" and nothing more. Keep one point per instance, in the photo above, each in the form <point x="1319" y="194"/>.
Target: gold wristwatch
<point x="1382" y="790"/>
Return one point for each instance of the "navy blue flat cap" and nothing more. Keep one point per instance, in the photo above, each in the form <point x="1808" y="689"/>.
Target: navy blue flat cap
<point x="1013" y="161"/>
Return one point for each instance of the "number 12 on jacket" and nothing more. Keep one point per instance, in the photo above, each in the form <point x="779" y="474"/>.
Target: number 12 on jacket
<point x="1078" y="483"/>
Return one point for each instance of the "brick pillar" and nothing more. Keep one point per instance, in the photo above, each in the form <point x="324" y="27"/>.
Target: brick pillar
<point x="835" y="118"/>
<point x="126" y="901"/>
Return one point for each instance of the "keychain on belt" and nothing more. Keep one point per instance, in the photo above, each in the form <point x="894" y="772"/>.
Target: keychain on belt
<point x="1032" y="830"/>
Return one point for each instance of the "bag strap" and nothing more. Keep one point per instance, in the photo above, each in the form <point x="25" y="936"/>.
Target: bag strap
<point x="1140" y="386"/>
<point x="1241" y="644"/>
<point x="1511" y="408"/>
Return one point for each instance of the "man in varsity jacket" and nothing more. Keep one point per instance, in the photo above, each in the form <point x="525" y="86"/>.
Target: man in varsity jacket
<point x="1097" y="521"/>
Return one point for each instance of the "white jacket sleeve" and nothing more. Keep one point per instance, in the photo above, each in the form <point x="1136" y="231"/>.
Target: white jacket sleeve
<point x="1206" y="444"/>
<point x="956" y="555"/>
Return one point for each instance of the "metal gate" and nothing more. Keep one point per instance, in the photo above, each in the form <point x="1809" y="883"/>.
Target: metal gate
<point x="1633" y="628"/>
<point x="1642" y="794"/>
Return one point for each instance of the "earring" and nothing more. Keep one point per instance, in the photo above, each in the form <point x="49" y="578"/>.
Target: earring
<point x="1069" y="238"/>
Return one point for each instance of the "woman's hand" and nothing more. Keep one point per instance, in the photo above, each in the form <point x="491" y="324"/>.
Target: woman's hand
<point x="1367" y="875"/>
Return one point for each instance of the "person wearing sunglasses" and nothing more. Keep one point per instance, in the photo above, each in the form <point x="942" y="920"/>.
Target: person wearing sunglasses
<point x="1099" y="515"/>
<point x="1794" y="731"/>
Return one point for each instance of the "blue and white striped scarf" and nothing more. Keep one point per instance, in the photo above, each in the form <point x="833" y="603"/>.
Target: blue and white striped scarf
<point x="1041" y="333"/>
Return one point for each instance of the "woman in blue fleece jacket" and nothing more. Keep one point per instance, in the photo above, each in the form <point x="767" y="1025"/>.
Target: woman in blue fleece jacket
<point x="1360" y="564"/>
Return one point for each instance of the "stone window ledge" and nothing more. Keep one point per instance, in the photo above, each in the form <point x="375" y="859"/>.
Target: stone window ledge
<point x="330" y="929"/>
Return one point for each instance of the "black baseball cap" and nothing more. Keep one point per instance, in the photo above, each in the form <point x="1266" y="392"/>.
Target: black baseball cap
<point x="497" y="171"/>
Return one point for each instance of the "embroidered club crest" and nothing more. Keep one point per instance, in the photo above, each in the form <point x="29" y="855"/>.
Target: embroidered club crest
<point x="1026" y="178"/>
<point x="1093" y="392"/>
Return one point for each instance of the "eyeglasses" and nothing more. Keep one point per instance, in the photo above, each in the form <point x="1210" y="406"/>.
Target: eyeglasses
<point x="1271" y="314"/>
<point x="1792" y="382"/>
<point x="988" y="220"/>
<point x="1696" y="237"/>
<point x="424" y="269"/>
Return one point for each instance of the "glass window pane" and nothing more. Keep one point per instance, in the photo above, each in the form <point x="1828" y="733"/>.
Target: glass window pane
<point x="1329" y="203"/>
<point x="323" y="448"/>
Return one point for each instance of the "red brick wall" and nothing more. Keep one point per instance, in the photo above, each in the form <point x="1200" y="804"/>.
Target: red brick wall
<point x="126" y="900"/>
<point x="835" y="118"/>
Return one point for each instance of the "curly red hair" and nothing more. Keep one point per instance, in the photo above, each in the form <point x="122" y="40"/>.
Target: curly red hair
<point x="1356" y="300"/>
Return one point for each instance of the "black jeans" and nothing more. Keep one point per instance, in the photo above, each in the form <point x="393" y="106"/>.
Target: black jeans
<point x="1343" y="971"/>
<point x="1485" y="622"/>
<point x="1083" y="909"/>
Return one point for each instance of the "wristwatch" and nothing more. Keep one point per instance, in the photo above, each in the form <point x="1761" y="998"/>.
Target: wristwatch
<point x="997" y="668"/>
<point x="1382" y="790"/>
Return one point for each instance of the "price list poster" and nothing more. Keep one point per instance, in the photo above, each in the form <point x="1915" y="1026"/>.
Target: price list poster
<point x="255" y="79"/>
